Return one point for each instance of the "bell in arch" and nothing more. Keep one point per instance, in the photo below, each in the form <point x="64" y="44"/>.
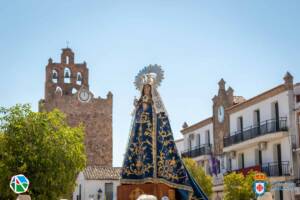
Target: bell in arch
<point x="67" y="75"/>
<point x="54" y="76"/>
<point x="79" y="77"/>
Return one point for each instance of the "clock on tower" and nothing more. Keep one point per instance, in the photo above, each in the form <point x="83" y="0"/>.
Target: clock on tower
<point x="67" y="89"/>
<point x="223" y="100"/>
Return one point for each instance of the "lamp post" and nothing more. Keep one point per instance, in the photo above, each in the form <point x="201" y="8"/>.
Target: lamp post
<point x="99" y="193"/>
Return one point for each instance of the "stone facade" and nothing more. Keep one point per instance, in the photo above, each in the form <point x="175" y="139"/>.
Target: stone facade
<point x="67" y="89"/>
<point x="225" y="99"/>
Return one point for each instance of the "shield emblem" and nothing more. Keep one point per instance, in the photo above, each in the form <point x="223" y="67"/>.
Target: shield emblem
<point x="259" y="187"/>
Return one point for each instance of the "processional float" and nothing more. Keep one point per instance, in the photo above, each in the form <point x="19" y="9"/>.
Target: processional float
<point x="152" y="164"/>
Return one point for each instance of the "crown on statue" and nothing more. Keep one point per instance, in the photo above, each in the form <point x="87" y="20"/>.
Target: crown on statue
<point x="151" y="74"/>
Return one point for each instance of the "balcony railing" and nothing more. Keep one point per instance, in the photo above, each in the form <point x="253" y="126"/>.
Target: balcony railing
<point x="266" y="127"/>
<point x="276" y="168"/>
<point x="218" y="180"/>
<point x="197" y="151"/>
<point x="246" y="170"/>
<point x="297" y="182"/>
<point x="270" y="169"/>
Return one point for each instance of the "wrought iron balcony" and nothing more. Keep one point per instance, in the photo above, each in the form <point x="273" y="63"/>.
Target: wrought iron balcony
<point x="266" y="127"/>
<point x="245" y="171"/>
<point x="197" y="151"/>
<point x="297" y="182"/>
<point x="276" y="168"/>
<point x="270" y="169"/>
<point x="218" y="180"/>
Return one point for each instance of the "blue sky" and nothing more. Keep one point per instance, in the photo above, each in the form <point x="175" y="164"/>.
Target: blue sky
<point x="251" y="44"/>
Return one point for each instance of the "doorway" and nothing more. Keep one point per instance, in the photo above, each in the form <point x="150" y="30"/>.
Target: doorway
<point x="278" y="148"/>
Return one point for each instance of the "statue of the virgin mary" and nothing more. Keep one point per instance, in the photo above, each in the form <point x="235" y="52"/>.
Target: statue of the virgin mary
<point x="151" y="155"/>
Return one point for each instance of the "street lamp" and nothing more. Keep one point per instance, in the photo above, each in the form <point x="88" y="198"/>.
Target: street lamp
<point x="99" y="193"/>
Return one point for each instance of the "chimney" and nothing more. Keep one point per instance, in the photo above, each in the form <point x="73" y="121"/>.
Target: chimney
<point x="288" y="81"/>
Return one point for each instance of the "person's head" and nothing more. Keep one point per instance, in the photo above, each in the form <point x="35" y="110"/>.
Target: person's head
<point x="147" y="90"/>
<point x="146" y="197"/>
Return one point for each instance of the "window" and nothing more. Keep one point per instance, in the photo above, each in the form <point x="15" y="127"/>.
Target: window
<point x="207" y="137"/>
<point x="67" y="59"/>
<point x="298" y="98"/>
<point x="109" y="191"/>
<point x="229" y="164"/>
<point x="258" y="157"/>
<point x="240" y="124"/>
<point x="256" y="118"/>
<point x="275" y="111"/>
<point x="198" y="139"/>
<point x="191" y="137"/>
<point x="223" y="162"/>
<point x="275" y="115"/>
<point x="241" y="161"/>
<point x="67" y="75"/>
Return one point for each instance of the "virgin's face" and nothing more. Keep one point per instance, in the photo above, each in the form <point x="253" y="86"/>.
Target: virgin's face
<point x="147" y="90"/>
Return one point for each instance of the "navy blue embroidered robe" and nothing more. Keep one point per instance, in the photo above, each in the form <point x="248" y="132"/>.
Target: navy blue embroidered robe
<point x="152" y="155"/>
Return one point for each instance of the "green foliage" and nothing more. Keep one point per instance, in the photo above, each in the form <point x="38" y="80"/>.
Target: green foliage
<point x="41" y="146"/>
<point x="205" y="181"/>
<point x="239" y="187"/>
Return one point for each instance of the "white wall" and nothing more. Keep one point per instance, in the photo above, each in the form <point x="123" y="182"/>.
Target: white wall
<point x="297" y="92"/>
<point x="265" y="108"/>
<point x="90" y="187"/>
<point x="179" y="145"/>
<point x="267" y="154"/>
<point x="202" y="131"/>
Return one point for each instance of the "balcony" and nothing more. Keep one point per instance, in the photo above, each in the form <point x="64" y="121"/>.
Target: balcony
<point x="197" y="151"/>
<point x="266" y="127"/>
<point x="297" y="182"/>
<point x="246" y="170"/>
<point x="270" y="169"/>
<point x="276" y="169"/>
<point x="218" y="180"/>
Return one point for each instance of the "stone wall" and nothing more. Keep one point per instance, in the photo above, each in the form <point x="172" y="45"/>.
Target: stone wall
<point x="95" y="114"/>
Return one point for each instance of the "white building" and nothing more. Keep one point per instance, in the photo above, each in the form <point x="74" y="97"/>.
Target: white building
<point x="198" y="143"/>
<point x="97" y="183"/>
<point x="260" y="133"/>
<point x="179" y="145"/>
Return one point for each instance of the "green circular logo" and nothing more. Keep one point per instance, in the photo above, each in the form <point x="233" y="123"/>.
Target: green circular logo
<point x="19" y="183"/>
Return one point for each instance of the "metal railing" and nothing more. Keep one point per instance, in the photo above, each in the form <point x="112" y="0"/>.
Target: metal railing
<point x="197" y="151"/>
<point x="246" y="170"/>
<point x="297" y="182"/>
<point x="218" y="180"/>
<point x="270" y="169"/>
<point x="265" y="127"/>
<point x="276" y="168"/>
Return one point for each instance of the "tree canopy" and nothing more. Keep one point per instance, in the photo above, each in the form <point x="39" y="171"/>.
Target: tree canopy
<point x="203" y="180"/>
<point x="44" y="148"/>
<point x="240" y="187"/>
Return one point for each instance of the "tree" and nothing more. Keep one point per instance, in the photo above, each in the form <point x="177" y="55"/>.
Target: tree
<point x="203" y="180"/>
<point x="240" y="187"/>
<point x="41" y="146"/>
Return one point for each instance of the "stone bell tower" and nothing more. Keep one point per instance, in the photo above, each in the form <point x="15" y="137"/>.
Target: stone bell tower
<point x="223" y="100"/>
<point x="67" y="88"/>
<point x="66" y="77"/>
